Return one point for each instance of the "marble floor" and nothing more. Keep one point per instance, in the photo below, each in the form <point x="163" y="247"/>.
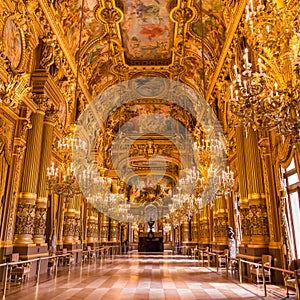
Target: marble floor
<point x="137" y="276"/>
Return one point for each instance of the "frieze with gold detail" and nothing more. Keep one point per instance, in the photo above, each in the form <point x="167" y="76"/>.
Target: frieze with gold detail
<point x="69" y="225"/>
<point x="25" y="216"/>
<point x="259" y="219"/>
<point x="40" y="221"/>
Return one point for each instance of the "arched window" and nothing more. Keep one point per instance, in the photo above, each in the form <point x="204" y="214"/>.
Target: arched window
<point x="292" y="207"/>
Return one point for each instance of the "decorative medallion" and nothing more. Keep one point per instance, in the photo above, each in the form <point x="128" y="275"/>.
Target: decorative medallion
<point x="12" y="38"/>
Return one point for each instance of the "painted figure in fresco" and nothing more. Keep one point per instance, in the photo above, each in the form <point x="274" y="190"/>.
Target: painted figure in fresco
<point x="72" y="21"/>
<point x="213" y="26"/>
<point x="13" y="43"/>
<point x="148" y="22"/>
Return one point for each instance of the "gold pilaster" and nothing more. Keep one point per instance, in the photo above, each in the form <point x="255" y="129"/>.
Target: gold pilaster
<point x="270" y="186"/>
<point x="92" y="226"/>
<point x="77" y="207"/>
<point x="92" y="229"/>
<point x="221" y="222"/>
<point x="204" y="229"/>
<point x="77" y="229"/>
<point x="104" y="228"/>
<point x="185" y="231"/>
<point x="243" y="189"/>
<point x="194" y="221"/>
<point x="13" y="188"/>
<point x="40" y="220"/>
<point x="69" y="225"/>
<point x="114" y="231"/>
<point x="257" y="203"/>
<point x="27" y="198"/>
<point x="42" y="193"/>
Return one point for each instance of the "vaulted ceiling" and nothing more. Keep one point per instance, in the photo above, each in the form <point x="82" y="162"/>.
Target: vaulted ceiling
<point x="89" y="46"/>
<point x="114" y="41"/>
<point x="117" y="40"/>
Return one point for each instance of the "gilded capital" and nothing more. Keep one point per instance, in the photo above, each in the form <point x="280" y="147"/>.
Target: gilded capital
<point x="51" y="115"/>
<point x="41" y="100"/>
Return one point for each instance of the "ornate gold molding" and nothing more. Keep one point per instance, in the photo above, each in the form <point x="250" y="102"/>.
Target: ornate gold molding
<point x="230" y="34"/>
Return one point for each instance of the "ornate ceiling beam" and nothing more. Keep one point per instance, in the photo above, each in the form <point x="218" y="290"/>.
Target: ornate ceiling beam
<point x="48" y="11"/>
<point x="230" y="34"/>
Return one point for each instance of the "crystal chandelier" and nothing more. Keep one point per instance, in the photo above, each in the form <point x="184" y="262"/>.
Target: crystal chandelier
<point x="266" y="85"/>
<point x="67" y="184"/>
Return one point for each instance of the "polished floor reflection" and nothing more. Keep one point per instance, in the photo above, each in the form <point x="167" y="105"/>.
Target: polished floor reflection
<point x="137" y="276"/>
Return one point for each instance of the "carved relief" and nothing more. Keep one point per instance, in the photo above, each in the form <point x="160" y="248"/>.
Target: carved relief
<point x="104" y="232"/>
<point x="258" y="220"/>
<point x="92" y="230"/>
<point x="40" y="221"/>
<point x="77" y="229"/>
<point x="16" y="88"/>
<point x="25" y="219"/>
<point x="246" y="221"/>
<point x="19" y="152"/>
<point x="114" y="232"/>
<point x="204" y="231"/>
<point x="69" y="225"/>
<point x="220" y="226"/>
<point x="41" y="100"/>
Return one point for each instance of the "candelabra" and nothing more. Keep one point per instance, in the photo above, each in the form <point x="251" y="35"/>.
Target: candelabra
<point x="265" y="89"/>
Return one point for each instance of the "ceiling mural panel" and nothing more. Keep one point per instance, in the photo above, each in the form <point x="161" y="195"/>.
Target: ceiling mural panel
<point x="149" y="188"/>
<point x="212" y="26"/>
<point x="199" y="64"/>
<point x="71" y="21"/>
<point x="141" y="119"/>
<point x="95" y="66"/>
<point x="147" y="30"/>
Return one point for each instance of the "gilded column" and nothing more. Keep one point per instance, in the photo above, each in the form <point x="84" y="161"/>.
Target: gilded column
<point x="185" y="232"/>
<point x="77" y="208"/>
<point x="221" y="223"/>
<point x="42" y="193"/>
<point x="92" y="226"/>
<point x="69" y="223"/>
<point x="27" y="198"/>
<point x="257" y="203"/>
<point x="60" y="221"/>
<point x="14" y="180"/>
<point x="195" y="228"/>
<point x="243" y="189"/>
<point x="271" y="195"/>
<point x="104" y="228"/>
<point x="114" y="231"/>
<point x="204" y="230"/>
<point x="99" y="227"/>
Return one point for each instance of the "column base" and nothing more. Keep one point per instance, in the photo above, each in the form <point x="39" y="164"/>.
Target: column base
<point x="24" y="239"/>
<point x="39" y="241"/>
<point x="33" y="251"/>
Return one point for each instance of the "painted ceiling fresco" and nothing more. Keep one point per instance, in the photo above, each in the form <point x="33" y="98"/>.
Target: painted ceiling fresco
<point x="146" y="39"/>
<point x="71" y="18"/>
<point x="95" y="66"/>
<point x="199" y="63"/>
<point x="212" y="27"/>
<point x="151" y="187"/>
<point x="147" y="30"/>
